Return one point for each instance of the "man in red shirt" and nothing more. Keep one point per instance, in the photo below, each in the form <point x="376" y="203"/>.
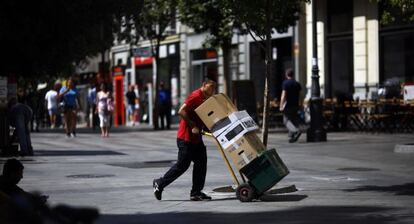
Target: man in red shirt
<point x="190" y="146"/>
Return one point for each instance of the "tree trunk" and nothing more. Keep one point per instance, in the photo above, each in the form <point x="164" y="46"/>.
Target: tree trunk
<point x="268" y="58"/>
<point x="226" y="48"/>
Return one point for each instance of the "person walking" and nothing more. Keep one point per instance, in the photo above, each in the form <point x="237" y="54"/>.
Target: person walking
<point x="103" y="100"/>
<point x="190" y="146"/>
<point x="131" y="99"/>
<point x="52" y="105"/>
<point x="70" y="97"/>
<point x="91" y="106"/>
<point x="20" y="116"/>
<point x="289" y="105"/>
<point x="164" y="106"/>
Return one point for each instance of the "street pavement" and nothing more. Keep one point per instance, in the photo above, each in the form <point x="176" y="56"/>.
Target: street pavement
<point x="351" y="178"/>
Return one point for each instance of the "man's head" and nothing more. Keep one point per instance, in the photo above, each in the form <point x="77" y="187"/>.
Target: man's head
<point x="13" y="170"/>
<point x="289" y="73"/>
<point x="208" y="87"/>
<point x="162" y="85"/>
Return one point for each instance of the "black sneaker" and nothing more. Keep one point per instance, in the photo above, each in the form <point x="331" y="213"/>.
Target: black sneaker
<point x="295" y="137"/>
<point x="157" y="189"/>
<point x="200" y="197"/>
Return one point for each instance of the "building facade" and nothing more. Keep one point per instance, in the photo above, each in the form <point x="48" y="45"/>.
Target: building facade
<point x="358" y="52"/>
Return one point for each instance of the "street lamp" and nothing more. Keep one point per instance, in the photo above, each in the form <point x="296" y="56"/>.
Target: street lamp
<point x="316" y="132"/>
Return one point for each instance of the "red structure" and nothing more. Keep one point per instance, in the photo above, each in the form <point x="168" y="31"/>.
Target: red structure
<point x="118" y="88"/>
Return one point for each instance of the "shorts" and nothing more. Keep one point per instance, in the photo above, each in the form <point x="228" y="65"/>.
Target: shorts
<point x="52" y="111"/>
<point x="69" y="108"/>
<point x="130" y="109"/>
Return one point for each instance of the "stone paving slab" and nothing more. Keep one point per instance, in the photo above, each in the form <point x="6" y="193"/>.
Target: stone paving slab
<point x="351" y="178"/>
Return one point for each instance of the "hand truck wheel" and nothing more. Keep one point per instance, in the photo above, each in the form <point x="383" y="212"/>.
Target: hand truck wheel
<point x="245" y="192"/>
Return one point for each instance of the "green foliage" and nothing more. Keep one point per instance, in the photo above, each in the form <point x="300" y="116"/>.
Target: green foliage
<point x="48" y="36"/>
<point x="212" y="16"/>
<point x="396" y="12"/>
<point x="148" y="20"/>
<point x="256" y="14"/>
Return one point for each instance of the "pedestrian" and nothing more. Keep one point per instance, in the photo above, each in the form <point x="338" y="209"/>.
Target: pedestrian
<point x="23" y="206"/>
<point x="289" y="105"/>
<point x="20" y="116"/>
<point x="103" y="100"/>
<point x="131" y="100"/>
<point x="164" y="105"/>
<point x="52" y="105"/>
<point x="70" y="97"/>
<point x="190" y="146"/>
<point x="30" y="208"/>
<point x="91" y="106"/>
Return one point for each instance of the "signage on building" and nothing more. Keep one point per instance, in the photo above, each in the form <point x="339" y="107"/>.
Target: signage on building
<point x="144" y="60"/>
<point x="118" y="71"/>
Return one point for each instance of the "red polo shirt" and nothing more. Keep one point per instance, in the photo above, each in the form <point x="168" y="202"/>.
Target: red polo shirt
<point x="195" y="99"/>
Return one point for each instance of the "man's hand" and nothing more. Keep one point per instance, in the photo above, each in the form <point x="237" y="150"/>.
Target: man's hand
<point x="195" y="130"/>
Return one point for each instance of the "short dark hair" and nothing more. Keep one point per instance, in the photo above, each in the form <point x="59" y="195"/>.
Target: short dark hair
<point x="289" y="72"/>
<point x="11" y="166"/>
<point x="209" y="81"/>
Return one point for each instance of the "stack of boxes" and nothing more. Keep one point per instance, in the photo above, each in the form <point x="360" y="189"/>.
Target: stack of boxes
<point x="234" y="130"/>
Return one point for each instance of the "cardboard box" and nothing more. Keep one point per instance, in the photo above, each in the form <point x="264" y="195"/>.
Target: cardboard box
<point x="235" y="131"/>
<point x="245" y="149"/>
<point x="214" y="109"/>
<point x="227" y="122"/>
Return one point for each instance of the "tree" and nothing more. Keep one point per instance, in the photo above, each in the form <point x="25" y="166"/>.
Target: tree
<point x="396" y="11"/>
<point x="150" y="23"/>
<point x="261" y="18"/>
<point x="48" y="37"/>
<point x="216" y="18"/>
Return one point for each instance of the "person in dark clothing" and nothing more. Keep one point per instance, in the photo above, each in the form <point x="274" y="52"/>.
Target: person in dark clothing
<point x="289" y="105"/>
<point x="22" y="205"/>
<point x="28" y="208"/>
<point x="131" y="98"/>
<point x="190" y="146"/>
<point x="20" y="116"/>
<point x="164" y="101"/>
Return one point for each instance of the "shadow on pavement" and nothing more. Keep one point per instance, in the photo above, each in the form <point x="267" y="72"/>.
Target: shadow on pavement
<point x="404" y="189"/>
<point x="282" y="198"/>
<point x="76" y="153"/>
<point x="309" y="215"/>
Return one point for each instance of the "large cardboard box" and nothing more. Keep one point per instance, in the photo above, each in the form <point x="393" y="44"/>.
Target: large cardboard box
<point x="245" y="149"/>
<point x="214" y="109"/>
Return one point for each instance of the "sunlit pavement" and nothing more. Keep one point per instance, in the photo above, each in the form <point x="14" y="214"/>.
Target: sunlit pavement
<point x="351" y="178"/>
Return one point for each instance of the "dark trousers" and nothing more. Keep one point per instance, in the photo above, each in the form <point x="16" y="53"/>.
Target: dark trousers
<point x="165" y="113"/>
<point x="187" y="153"/>
<point x="23" y="133"/>
<point x="291" y="120"/>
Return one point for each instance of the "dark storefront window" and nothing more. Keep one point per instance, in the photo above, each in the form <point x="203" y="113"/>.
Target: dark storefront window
<point x="283" y="48"/>
<point x="340" y="76"/>
<point x="396" y="44"/>
<point x="203" y="66"/>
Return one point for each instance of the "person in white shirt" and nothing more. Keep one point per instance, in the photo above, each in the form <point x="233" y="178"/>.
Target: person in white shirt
<point x="52" y="104"/>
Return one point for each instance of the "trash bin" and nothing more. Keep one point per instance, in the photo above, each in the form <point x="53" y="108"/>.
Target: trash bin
<point x="265" y="171"/>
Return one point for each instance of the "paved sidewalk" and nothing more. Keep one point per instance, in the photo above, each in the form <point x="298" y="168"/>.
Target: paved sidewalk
<point x="351" y="178"/>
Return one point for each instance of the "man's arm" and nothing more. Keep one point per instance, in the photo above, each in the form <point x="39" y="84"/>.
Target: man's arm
<point x="282" y="101"/>
<point x="183" y="114"/>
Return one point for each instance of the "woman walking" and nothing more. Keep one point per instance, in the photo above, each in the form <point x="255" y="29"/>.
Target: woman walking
<point x="70" y="97"/>
<point x="103" y="100"/>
